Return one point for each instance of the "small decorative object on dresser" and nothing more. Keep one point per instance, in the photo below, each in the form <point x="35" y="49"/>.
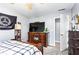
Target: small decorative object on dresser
<point x="18" y="31"/>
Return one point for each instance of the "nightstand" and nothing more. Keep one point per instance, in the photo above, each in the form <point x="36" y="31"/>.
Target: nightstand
<point x="18" y="31"/>
<point x="18" y="35"/>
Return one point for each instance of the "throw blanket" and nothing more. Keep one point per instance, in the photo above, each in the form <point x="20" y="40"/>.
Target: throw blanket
<point x="11" y="47"/>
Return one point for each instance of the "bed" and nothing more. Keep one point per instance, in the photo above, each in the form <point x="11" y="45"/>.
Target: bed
<point x="11" y="47"/>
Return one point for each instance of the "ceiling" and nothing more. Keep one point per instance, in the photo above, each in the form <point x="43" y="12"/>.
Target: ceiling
<point x="38" y="9"/>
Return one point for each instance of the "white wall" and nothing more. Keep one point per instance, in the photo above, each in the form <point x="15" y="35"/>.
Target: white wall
<point x="75" y="9"/>
<point x="9" y="34"/>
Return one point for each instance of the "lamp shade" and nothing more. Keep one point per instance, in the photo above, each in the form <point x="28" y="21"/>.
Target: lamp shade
<point x="18" y="26"/>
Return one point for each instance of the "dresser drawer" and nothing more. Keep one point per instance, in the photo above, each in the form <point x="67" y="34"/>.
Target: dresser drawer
<point x="74" y="43"/>
<point x="71" y="51"/>
<point x="73" y="34"/>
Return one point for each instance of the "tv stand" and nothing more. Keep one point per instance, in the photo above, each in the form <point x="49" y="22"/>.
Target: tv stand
<point x="38" y="37"/>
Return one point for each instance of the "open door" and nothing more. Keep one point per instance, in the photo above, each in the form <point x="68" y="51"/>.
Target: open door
<point x="63" y="32"/>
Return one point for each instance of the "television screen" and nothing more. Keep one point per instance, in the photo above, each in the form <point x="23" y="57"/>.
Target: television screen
<point x="37" y="27"/>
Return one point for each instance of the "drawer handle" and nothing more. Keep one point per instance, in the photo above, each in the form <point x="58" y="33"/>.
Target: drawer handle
<point x="76" y="44"/>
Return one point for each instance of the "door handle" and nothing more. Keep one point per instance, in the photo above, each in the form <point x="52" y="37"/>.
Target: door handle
<point x="61" y="34"/>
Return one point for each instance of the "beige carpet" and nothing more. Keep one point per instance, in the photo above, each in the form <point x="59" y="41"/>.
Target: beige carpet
<point x="54" y="50"/>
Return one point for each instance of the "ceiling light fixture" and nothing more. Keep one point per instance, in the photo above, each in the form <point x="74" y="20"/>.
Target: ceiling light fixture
<point x="29" y="6"/>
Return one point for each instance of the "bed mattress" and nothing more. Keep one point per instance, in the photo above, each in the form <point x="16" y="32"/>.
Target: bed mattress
<point x="11" y="47"/>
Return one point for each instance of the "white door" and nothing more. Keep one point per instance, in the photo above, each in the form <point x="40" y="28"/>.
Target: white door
<point x="63" y="32"/>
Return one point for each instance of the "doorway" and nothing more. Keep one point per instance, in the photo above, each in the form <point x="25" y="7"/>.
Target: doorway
<point x="57" y="33"/>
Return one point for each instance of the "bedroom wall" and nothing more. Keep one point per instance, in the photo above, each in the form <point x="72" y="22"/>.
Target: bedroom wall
<point x="9" y="34"/>
<point x="75" y="9"/>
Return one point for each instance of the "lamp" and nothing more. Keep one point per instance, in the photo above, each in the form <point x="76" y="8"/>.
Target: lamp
<point x="18" y="26"/>
<point x="18" y="31"/>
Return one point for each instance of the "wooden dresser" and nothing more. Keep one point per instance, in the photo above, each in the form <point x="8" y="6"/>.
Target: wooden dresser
<point x="73" y="42"/>
<point x="38" y="37"/>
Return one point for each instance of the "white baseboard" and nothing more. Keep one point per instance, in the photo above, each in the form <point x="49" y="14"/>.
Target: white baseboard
<point x="51" y="44"/>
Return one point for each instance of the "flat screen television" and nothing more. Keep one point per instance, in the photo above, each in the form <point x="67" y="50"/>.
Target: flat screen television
<point x="37" y="27"/>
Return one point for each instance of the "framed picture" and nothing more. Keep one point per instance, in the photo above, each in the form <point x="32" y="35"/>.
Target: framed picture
<point x="77" y="19"/>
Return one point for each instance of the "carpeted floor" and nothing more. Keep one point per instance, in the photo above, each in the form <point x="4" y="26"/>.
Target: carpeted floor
<point x="54" y="50"/>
